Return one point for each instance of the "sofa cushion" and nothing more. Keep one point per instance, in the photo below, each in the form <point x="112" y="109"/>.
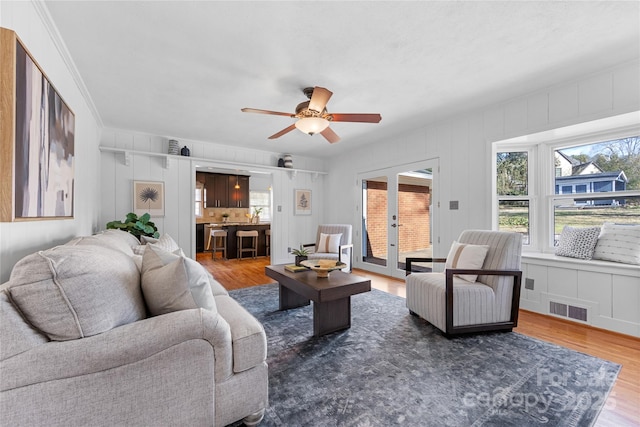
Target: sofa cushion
<point x="172" y="282"/>
<point x="619" y="243"/>
<point x="115" y="239"/>
<point x="71" y="292"/>
<point x="17" y="335"/>
<point x="577" y="242"/>
<point x="247" y="334"/>
<point x="466" y="256"/>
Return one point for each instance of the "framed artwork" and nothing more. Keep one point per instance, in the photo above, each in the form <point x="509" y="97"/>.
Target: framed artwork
<point x="37" y="141"/>
<point x="302" y="202"/>
<point x="148" y="196"/>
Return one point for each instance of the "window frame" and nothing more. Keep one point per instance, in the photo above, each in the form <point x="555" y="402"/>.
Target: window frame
<point x="268" y="210"/>
<point x="542" y="174"/>
<point x="530" y="197"/>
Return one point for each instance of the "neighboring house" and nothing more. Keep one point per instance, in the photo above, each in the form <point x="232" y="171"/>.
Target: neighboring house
<point x="574" y="177"/>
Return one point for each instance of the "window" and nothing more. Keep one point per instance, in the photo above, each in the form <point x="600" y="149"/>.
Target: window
<point x="605" y="174"/>
<point x="512" y="186"/>
<point x="261" y="199"/>
<point x="199" y="198"/>
<point x="585" y="181"/>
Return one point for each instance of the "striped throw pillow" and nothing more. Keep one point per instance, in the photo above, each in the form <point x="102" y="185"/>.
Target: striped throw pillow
<point x="329" y="243"/>
<point x="619" y="243"/>
<point x="465" y="256"/>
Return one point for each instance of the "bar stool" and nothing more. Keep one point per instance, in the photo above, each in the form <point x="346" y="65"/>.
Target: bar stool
<point x="253" y="234"/>
<point x="267" y="234"/>
<point x="219" y="238"/>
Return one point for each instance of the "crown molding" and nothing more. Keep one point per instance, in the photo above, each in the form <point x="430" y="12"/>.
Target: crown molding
<point x="61" y="46"/>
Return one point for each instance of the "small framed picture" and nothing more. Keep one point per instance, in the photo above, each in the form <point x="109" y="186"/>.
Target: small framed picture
<point x="148" y="196"/>
<point x="302" y="202"/>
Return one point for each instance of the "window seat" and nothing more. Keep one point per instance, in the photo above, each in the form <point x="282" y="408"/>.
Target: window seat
<point x="599" y="293"/>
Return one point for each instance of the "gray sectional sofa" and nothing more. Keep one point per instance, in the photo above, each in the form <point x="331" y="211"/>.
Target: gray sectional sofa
<point x="86" y="339"/>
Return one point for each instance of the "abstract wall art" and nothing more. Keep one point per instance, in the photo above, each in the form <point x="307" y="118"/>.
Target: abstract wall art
<point x="37" y="143"/>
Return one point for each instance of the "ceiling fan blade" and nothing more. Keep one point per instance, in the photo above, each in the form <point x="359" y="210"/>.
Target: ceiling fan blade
<point x="330" y="135"/>
<point x="275" y="113"/>
<point x="319" y="99"/>
<point x="283" y="131"/>
<point x="362" y="118"/>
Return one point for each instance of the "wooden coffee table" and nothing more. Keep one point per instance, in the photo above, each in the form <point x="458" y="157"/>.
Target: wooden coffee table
<point x="331" y="296"/>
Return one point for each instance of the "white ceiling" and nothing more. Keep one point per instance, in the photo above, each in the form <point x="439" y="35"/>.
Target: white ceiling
<point x="184" y="69"/>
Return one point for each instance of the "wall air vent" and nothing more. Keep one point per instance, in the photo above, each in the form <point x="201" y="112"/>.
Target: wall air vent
<point x="570" y="311"/>
<point x="558" y="308"/>
<point x="578" y="313"/>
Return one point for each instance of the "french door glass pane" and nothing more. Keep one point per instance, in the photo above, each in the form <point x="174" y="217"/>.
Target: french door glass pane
<point x="374" y="220"/>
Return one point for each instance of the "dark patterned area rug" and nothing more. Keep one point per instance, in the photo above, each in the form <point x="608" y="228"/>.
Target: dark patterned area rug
<point x="391" y="368"/>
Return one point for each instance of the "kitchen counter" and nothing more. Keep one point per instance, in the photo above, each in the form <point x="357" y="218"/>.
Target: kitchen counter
<point x="202" y="235"/>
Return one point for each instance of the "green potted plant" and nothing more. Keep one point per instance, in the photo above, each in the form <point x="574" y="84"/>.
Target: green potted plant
<point x="301" y="254"/>
<point x="137" y="226"/>
<point x="225" y="217"/>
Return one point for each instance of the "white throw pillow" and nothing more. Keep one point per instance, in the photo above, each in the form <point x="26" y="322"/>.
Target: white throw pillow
<point x="171" y="282"/>
<point x="619" y="243"/>
<point x="329" y="243"/>
<point x="165" y="242"/>
<point x="577" y="242"/>
<point x="465" y="256"/>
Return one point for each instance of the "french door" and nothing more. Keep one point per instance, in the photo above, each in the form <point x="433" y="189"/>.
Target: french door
<point x="397" y="216"/>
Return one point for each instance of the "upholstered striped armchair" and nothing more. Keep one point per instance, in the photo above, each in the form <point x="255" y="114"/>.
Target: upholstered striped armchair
<point x="333" y="241"/>
<point x="457" y="302"/>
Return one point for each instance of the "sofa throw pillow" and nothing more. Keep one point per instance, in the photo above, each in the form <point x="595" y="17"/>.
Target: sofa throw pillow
<point x="465" y="256"/>
<point x="619" y="243"/>
<point x="577" y="242"/>
<point x="171" y="282"/>
<point x="166" y="243"/>
<point x="70" y="292"/>
<point x="329" y="243"/>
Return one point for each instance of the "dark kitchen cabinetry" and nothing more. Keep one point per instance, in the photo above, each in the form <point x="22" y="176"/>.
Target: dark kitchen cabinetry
<point x="238" y="197"/>
<point x="220" y="191"/>
<point x="217" y="187"/>
<point x="199" y="237"/>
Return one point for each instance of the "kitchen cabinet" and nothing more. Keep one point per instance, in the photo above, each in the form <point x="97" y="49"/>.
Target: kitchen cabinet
<point x="200" y="237"/>
<point x="217" y="187"/>
<point x="238" y="198"/>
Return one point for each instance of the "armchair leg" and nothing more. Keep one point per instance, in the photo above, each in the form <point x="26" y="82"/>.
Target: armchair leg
<point x="253" y="419"/>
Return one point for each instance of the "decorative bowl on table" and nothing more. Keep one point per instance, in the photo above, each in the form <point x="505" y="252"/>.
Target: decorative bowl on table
<point x="323" y="267"/>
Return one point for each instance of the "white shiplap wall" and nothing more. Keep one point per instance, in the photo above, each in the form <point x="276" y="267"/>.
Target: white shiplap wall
<point x="463" y="146"/>
<point x="288" y="230"/>
<point x="19" y="239"/>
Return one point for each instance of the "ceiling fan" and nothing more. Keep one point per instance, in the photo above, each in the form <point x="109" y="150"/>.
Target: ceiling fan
<point x="313" y="116"/>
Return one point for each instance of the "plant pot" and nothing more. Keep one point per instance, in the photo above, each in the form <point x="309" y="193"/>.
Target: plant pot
<point x="300" y="258"/>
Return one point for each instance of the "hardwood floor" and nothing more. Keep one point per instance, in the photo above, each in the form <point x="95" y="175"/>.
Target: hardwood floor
<point x="622" y="409"/>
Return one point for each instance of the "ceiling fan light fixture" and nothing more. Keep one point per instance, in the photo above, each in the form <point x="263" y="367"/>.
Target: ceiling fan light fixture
<point x="312" y="125"/>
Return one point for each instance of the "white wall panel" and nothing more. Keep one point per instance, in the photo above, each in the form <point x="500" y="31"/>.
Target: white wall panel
<point x="22" y="238"/>
<point x="596" y="287"/>
<point x="596" y="94"/>
<point x="626" y="87"/>
<point x="563" y="104"/>
<point x="626" y="298"/>
<point x="515" y="117"/>
<point x="537" y="111"/>
<point x="563" y="282"/>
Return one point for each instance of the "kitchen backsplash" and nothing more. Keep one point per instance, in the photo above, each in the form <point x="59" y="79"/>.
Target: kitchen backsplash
<point x="215" y="215"/>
